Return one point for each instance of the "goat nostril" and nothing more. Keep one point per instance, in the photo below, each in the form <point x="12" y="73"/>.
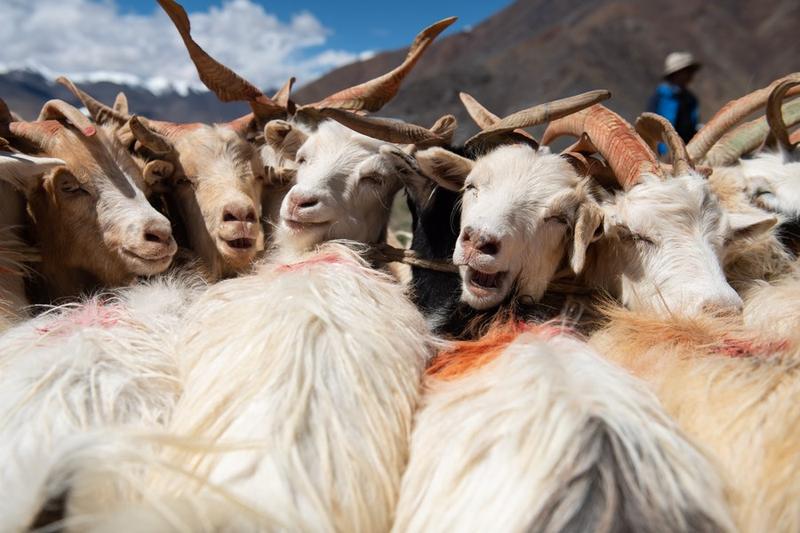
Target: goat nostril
<point x="239" y="214"/>
<point x="308" y="203"/>
<point x="251" y="216"/>
<point x="489" y="248"/>
<point x="229" y="217"/>
<point x="152" y="237"/>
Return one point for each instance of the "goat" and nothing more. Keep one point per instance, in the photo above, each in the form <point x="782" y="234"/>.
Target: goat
<point x="733" y="391"/>
<point x="92" y="222"/>
<point x="528" y="429"/>
<point x="15" y="253"/>
<point x="663" y="236"/>
<point x="770" y="174"/>
<point x="309" y="423"/>
<point x="108" y="361"/>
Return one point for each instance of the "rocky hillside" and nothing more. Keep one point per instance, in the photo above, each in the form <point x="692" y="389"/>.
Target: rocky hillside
<point x="530" y="52"/>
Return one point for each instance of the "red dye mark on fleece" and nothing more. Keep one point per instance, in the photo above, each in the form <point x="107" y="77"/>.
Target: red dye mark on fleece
<point x="90" y="314"/>
<point x="468" y="356"/>
<point x="749" y="348"/>
<point x="330" y="259"/>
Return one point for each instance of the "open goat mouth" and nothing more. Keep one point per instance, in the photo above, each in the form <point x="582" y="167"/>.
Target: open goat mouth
<point x="485" y="280"/>
<point x="241" y="244"/>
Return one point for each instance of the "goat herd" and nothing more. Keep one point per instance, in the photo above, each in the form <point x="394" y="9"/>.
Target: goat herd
<point x="591" y="340"/>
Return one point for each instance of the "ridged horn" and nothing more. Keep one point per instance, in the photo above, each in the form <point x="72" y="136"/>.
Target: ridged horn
<point x="149" y="137"/>
<point x="98" y="110"/>
<point x="625" y="152"/>
<point x="749" y="137"/>
<point x="222" y="81"/>
<point x="651" y="126"/>
<point x="775" y="118"/>
<point x="540" y="114"/>
<point x="374" y="94"/>
<point x="732" y="114"/>
<point x="60" y="110"/>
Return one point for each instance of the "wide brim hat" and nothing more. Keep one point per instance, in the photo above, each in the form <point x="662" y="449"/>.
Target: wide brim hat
<point x="678" y="61"/>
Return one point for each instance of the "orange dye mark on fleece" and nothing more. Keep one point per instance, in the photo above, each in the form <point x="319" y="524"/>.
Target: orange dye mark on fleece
<point x="467" y="356"/>
<point x="730" y="347"/>
<point x="316" y="260"/>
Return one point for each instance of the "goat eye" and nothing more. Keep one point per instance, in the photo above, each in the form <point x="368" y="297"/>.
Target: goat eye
<point x="640" y="239"/>
<point x="301" y="160"/>
<point x="372" y="179"/>
<point x="560" y="219"/>
<point x="73" y="188"/>
<point x="183" y="181"/>
<point x="761" y="192"/>
<point x="471" y="187"/>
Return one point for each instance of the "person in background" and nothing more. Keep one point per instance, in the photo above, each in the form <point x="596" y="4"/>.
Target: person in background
<point x="673" y="99"/>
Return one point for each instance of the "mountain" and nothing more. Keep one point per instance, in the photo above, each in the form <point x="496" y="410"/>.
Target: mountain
<point x="530" y="52"/>
<point x="26" y="91"/>
<point x="538" y="50"/>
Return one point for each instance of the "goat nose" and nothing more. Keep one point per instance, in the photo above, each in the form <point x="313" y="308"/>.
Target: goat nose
<point x="487" y="245"/>
<point x="239" y="212"/>
<point x="158" y="231"/>
<point x="304" y="201"/>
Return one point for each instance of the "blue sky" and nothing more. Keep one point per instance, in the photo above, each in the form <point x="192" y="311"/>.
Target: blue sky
<point x="266" y="41"/>
<point x="359" y="25"/>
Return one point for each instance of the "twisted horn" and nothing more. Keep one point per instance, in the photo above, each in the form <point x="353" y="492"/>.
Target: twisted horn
<point x="98" y="110"/>
<point x="749" y="137"/>
<point x="654" y="128"/>
<point x="730" y="115"/>
<point x="775" y="118"/>
<point x="540" y="114"/>
<point x="395" y="131"/>
<point x="374" y="94"/>
<point x="222" y="81"/>
<point x="282" y="97"/>
<point x="625" y="152"/>
<point x="485" y="118"/>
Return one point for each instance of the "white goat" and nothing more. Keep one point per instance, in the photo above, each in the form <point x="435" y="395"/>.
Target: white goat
<point x="105" y="362"/>
<point x="302" y="417"/>
<point x="543" y="435"/>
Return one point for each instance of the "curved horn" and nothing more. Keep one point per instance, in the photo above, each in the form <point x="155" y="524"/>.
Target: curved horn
<point x="540" y="114"/>
<point x="775" y="118"/>
<point x="38" y="133"/>
<point x="99" y="111"/>
<point x="749" y="137"/>
<point x="149" y="137"/>
<point x="60" y="110"/>
<point x="374" y="94"/>
<point x="222" y="81"/>
<point x="395" y="131"/>
<point x="483" y="117"/>
<point x="653" y="126"/>
<point x="625" y="152"/>
<point x="730" y="115"/>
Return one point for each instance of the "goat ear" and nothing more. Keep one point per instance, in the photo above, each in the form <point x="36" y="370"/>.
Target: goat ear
<point x="24" y="172"/>
<point x="587" y="229"/>
<point x="753" y="224"/>
<point x="156" y="171"/>
<point x="279" y="177"/>
<point x="285" y="138"/>
<point x="447" y="169"/>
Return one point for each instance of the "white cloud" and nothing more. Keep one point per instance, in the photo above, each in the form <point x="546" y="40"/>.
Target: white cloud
<point x="91" y="40"/>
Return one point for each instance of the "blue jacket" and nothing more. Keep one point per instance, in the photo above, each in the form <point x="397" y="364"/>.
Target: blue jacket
<point x="677" y="105"/>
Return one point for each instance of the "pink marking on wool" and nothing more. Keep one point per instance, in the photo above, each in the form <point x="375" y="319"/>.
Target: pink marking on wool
<point x="749" y="348"/>
<point x="330" y="259"/>
<point x="90" y="314"/>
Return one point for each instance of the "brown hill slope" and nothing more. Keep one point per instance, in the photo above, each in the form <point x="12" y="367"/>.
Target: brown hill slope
<point x="536" y="50"/>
